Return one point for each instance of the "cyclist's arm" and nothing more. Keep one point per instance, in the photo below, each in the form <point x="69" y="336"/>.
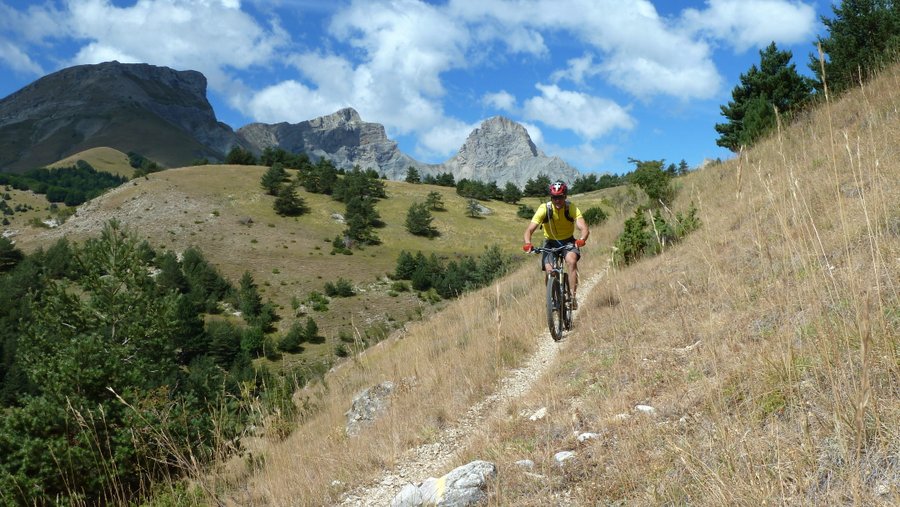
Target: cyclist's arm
<point x="535" y="222"/>
<point x="529" y="231"/>
<point x="583" y="227"/>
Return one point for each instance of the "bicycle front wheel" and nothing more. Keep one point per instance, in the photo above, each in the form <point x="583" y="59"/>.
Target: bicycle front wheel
<point x="566" y="303"/>
<point x="555" y="312"/>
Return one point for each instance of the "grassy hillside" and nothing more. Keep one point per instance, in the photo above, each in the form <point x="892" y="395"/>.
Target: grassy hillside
<point x="35" y="209"/>
<point x="767" y="343"/>
<point x="224" y="211"/>
<point x="102" y="159"/>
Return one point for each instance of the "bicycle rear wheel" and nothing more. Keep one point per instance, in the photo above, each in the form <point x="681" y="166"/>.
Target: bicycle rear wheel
<point x="554" y="307"/>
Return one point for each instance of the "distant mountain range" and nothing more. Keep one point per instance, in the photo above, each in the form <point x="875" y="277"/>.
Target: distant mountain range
<point x="164" y="115"/>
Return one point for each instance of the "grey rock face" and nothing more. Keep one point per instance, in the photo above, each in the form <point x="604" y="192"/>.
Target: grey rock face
<point x="367" y="406"/>
<point x="341" y="137"/>
<point x="156" y="111"/>
<point x="501" y="150"/>
<point x="164" y="115"/>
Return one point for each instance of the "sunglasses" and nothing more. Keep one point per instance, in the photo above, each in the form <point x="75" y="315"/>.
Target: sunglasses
<point x="558" y="198"/>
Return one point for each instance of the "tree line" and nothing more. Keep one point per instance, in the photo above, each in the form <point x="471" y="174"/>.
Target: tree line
<point x="862" y="37"/>
<point x="72" y="185"/>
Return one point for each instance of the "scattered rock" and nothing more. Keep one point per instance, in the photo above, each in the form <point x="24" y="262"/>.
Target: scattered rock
<point x="647" y="409"/>
<point x="525" y="463"/>
<point x="587" y="436"/>
<point x="537" y="416"/>
<point x="461" y="487"/>
<point x="367" y="406"/>
<point x="562" y="456"/>
<point x="685" y="350"/>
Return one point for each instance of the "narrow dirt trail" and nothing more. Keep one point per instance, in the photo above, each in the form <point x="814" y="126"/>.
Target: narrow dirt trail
<point x="431" y="459"/>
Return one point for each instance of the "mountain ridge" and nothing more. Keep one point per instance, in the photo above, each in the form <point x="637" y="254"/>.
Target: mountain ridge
<point x="164" y="115"/>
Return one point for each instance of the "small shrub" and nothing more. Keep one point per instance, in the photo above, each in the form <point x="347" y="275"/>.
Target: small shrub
<point x="400" y="286"/>
<point x="341" y="288"/>
<point x="594" y="216"/>
<point x="318" y="301"/>
<point x="341" y="350"/>
<point x="687" y="224"/>
<point x="525" y="211"/>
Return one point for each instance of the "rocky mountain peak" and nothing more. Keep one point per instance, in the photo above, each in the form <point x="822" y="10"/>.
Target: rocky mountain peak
<point x="157" y="111"/>
<point x="501" y="150"/>
<point x="497" y="138"/>
<point x="164" y="114"/>
<point x="342" y="137"/>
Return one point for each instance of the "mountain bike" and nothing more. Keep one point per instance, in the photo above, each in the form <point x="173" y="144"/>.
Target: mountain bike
<point x="559" y="294"/>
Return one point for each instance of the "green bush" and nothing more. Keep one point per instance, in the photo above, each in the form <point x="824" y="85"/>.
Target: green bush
<point x="318" y="301"/>
<point x="594" y="216"/>
<point x="419" y="221"/>
<point x="686" y="224"/>
<point x="341" y="288"/>
<point x="635" y="238"/>
<point x="525" y="211"/>
<point x="400" y="286"/>
<point x="290" y="341"/>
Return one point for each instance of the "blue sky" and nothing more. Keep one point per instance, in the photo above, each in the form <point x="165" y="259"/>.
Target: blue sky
<point x="595" y="82"/>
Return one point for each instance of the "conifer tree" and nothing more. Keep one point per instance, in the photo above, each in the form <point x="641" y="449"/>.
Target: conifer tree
<point x="288" y="203"/>
<point x="419" y="220"/>
<point x="775" y="84"/>
<point x="272" y="179"/>
<point x="862" y="37"/>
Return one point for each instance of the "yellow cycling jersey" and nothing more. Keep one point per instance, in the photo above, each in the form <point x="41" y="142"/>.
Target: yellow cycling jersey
<point x="558" y="227"/>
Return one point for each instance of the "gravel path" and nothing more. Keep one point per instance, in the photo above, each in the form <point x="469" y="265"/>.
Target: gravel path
<point x="429" y="460"/>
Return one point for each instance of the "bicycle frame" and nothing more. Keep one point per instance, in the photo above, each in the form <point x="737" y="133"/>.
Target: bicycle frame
<point x="559" y="296"/>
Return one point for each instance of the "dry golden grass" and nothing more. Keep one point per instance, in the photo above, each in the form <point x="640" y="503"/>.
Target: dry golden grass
<point x="768" y="342"/>
<point x="102" y="159"/>
<point x="208" y="207"/>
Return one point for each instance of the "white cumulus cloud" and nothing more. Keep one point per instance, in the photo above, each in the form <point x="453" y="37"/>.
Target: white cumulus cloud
<point x="745" y="24"/>
<point x="588" y="116"/>
<point x="502" y="100"/>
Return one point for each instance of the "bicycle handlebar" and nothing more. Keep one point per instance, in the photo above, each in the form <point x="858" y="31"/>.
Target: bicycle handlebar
<point x="539" y="249"/>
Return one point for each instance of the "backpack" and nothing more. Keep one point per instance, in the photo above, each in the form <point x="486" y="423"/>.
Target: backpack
<point x="550" y="213"/>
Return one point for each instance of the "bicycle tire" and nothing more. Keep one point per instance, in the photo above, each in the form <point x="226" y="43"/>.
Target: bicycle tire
<point x="566" y="303"/>
<point x="554" y="314"/>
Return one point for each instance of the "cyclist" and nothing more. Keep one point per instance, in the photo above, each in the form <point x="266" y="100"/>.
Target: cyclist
<point x="559" y="218"/>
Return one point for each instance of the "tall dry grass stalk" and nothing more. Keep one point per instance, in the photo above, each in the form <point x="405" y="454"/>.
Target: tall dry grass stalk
<point x="768" y="342"/>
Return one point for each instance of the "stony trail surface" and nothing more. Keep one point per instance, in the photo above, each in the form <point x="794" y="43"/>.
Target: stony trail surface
<point x="432" y="459"/>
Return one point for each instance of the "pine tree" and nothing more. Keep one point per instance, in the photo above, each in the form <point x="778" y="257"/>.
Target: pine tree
<point x="537" y="187"/>
<point x="751" y="112"/>
<point x="434" y="201"/>
<point x="862" y="37"/>
<point x="419" y="219"/>
<point x="412" y="175"/>
<point x="9" y="254"/>
<point x="288" y="203"/>
<point x="272" y="179"/>
<point x="473" y="209"/>
<point x="511" y="193"/>
<point x="249" y="299"/>
<point x="361" y="220"/>
<point x="406" y="265"/>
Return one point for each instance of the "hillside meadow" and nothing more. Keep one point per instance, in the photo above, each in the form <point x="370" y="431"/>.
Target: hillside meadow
<point x="767" y="344"/>
<point x="223" y="210"/>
